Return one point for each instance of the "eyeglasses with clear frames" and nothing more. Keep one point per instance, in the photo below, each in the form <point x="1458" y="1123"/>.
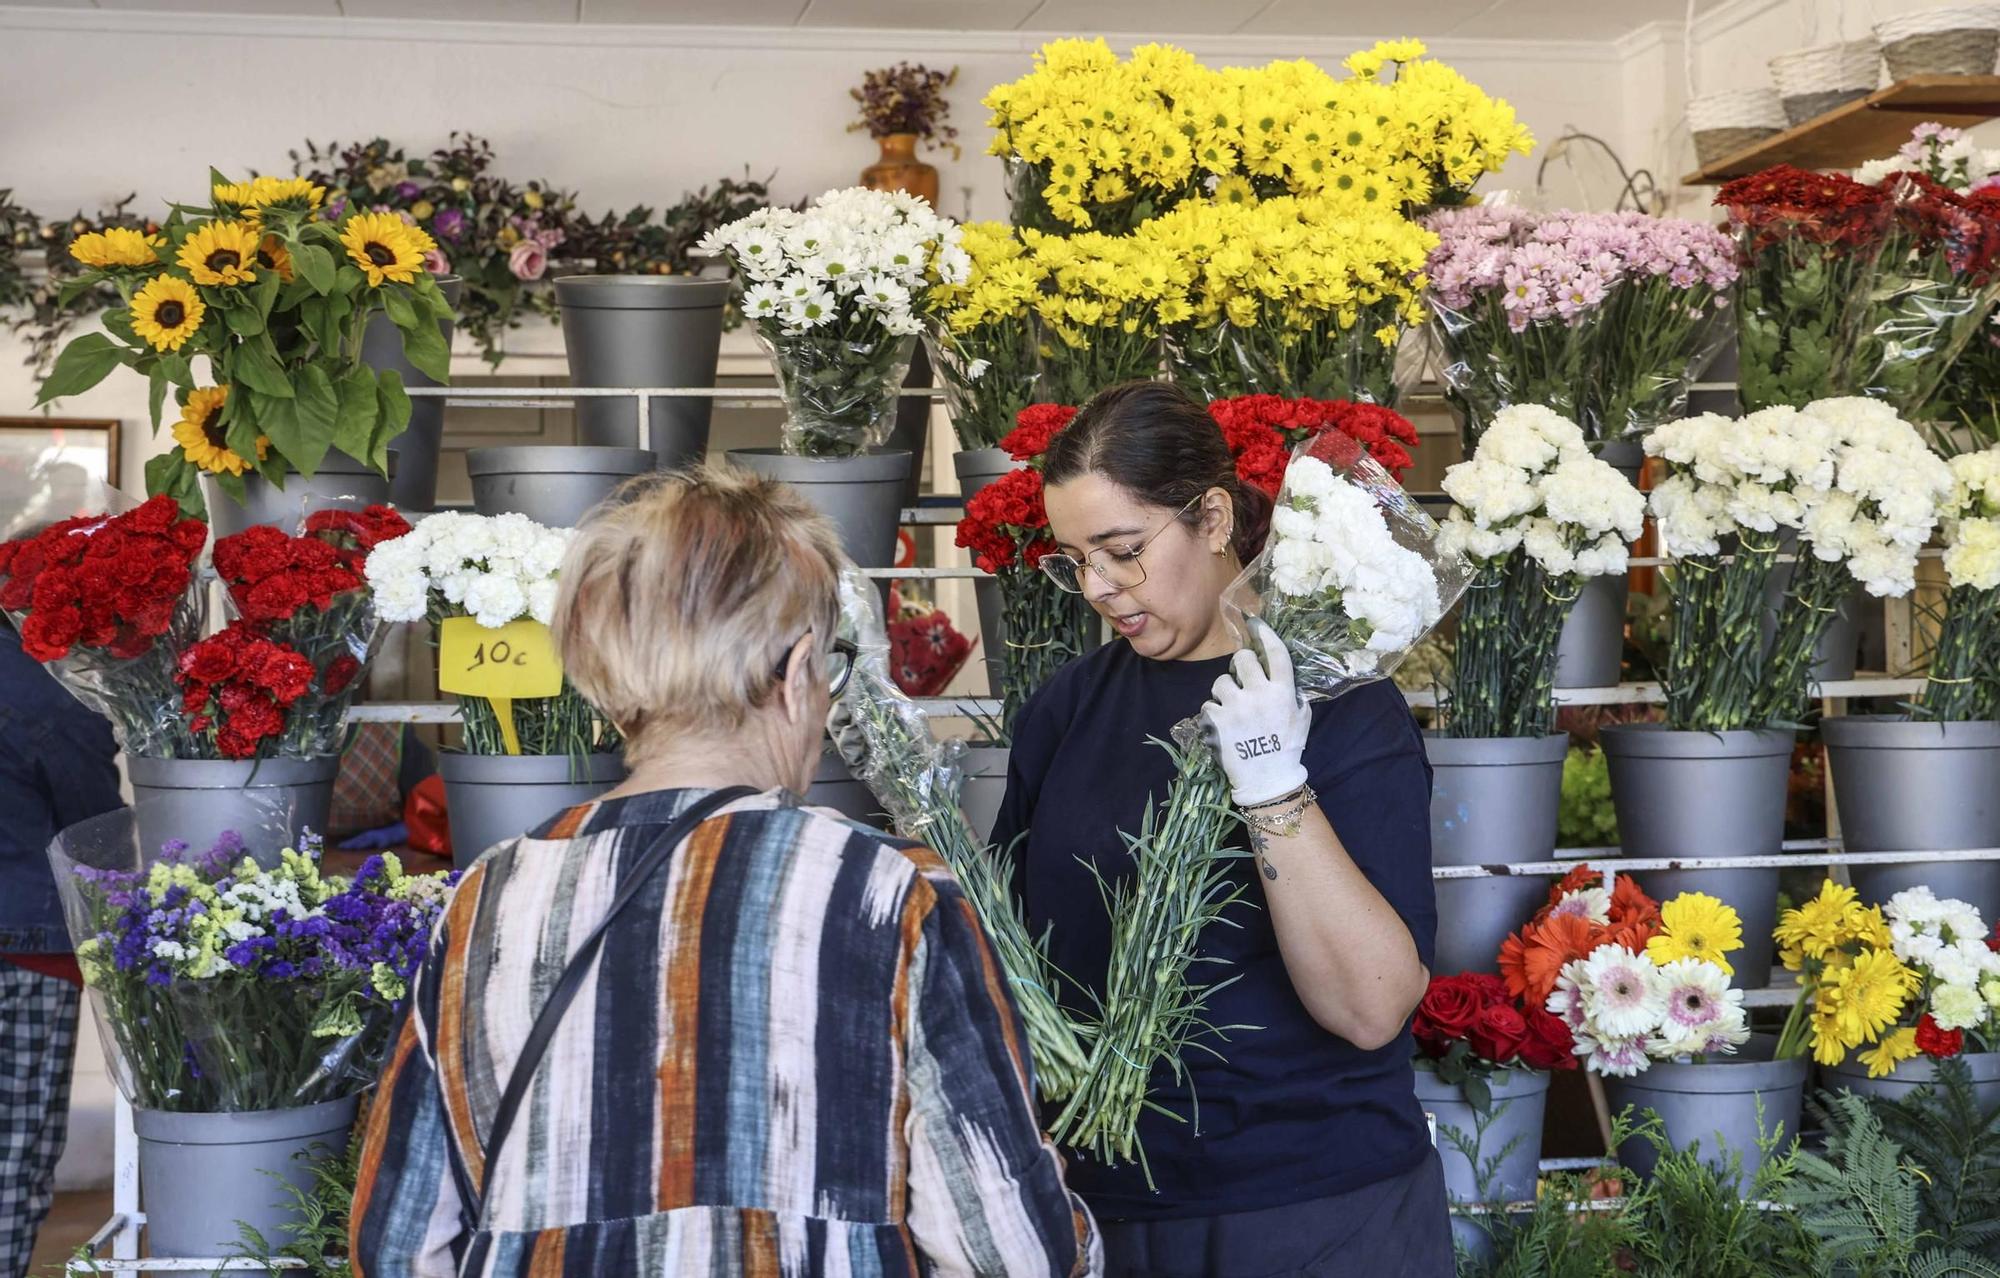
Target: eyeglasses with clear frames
<point x="1116" y="566"/>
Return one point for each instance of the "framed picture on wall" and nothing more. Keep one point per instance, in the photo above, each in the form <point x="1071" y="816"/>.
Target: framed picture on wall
<point x="47" y="465"/>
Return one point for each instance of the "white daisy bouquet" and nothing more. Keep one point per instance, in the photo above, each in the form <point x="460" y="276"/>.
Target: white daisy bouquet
<point x="495" y="569"/>
<point x="1964" y="680"/>
<point x="1538" y="514"/>
<point x="837" y="293"/>
<point x="1848" y="483"/>
<point x="1628" y="1005"/>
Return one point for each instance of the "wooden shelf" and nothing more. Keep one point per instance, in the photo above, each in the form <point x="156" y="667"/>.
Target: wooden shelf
<point x="1865" y="129"/>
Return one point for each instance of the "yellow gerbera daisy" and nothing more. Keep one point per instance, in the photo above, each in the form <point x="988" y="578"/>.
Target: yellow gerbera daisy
<point x="199" y="433"/>
<point x="118" y="246"/>
<point x="258" y="194"/>
<point x="221" y="253"/>
<point x="386" y="247"/>
<point x="1697" y="926"/>
<point x="167" y="311"/>
<point x="1235" y="190"/>
<point x="1872" y="994"/>
<point x="272" y="255"/>
<point x="1822" y="923"/>
<point x="1896" y="1047"/>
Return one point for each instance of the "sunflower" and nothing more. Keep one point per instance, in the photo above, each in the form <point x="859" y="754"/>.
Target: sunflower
<point x="386" y="247"/>
<point x="166" y="312"/>
<point x="118" y="246"/>
<point x="221" y="253"/>
<point x="258" y="194"/>
<point x="199" y="433"/>
<point x="272" y="255"/>
<point x="1896" y="1047"/>
<point x="1695" y="925"/>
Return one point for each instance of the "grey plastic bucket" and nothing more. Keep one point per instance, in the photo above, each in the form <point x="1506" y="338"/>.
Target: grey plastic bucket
<point x="200" y="1174"/>
<point x="490" y="798"/>
<point x="1590" y="652"/>
<point x="976" y="469"/>
<point x="1493" y="801"/>
<point x="1716" y="1103"/>
<point x="861" y="495"/>
<point x="1512" y="1134"/>
<point x="835" y="787"/>
<point x="553" y="484"/>
<point x="985" y="787"/>
<point x="414" y="486"/>
<point x="1910" y="786"/>
<point x="1908" y="1076"/>
<point x="340" y="482"/>
<point x="195" y="800"/>
<point x="644" y="330"/>
<point x="1706" y="794"/>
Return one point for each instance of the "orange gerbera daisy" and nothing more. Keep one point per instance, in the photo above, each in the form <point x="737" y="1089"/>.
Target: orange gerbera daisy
<point x="1532" y="959"/>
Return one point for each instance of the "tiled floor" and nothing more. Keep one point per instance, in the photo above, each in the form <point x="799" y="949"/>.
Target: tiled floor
<point x="74" y="1219"/>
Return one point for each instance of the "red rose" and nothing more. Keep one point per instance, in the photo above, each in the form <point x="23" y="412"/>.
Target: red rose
<point x="1550" y="1043"/>
<point x="1935" y="1042"/>
<point x="1449" y="1008"/>
<point x="1499" y="1033"/>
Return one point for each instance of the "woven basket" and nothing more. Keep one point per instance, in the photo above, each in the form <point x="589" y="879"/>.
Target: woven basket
<point x="1959" y="39"/>
<point x="1724" y="123"/>
<point x="1813" y="81"/>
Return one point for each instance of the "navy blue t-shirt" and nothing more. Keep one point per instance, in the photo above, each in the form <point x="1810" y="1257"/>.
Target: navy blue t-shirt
<point x="1291" y="1112"/>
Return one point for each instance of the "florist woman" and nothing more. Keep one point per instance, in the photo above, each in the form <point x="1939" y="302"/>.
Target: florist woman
<point x="1305" y="1151"/>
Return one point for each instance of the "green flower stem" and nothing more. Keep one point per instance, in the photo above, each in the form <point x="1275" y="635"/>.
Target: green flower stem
<point x="1798" y="313"/>
<point x="1046" y="628"/>
<point x="1503" y="680"/>
<point x="1321" y="361"/>
<point x="1964" y="678"/>
<point x="1654" y="338"/>
<point x="1715" y="664"/>
<point x="1811" y="600"/>
<point x="1489" y="366"/>
<point x="984" y="409"/>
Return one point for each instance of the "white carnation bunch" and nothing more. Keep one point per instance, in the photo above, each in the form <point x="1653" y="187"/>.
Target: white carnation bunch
<point x="493" y="568"/>
<point x="1333" y="555"/>
<point x="1855" y="482"/>
<point x="1533" y="483"/>
<point x="854" y="255"/>
<point x="1972" y="521"/>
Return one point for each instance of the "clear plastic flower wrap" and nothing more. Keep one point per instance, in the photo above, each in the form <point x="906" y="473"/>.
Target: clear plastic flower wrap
<point x="105" y="593"/>
<point x="840" y="395"/>
<point x="1323" y="360"/>
<point x="990" y="373"/>
<point x="236" y="977"/>
<point x="1352" y="576"/>
<point x="1935" y="285"/>
<point x="918" y="780"/>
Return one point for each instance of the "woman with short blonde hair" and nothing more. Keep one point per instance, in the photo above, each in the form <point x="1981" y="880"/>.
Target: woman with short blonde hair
<point x="696" y="1027"/>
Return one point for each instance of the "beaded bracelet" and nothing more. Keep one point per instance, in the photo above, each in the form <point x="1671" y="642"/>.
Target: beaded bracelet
<point x="1284" y="824"/>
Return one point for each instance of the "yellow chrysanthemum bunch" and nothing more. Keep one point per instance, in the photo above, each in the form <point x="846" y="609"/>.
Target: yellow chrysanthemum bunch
<point x="1103" y="140"/>
<point x="986" y="335"/>
<point x="1852" y="986"/>
<point x="1290" y="296"/>
<point x="1003" y="286"/>
<point x="1100" y="310"/>
<point x="1102" y="143"/>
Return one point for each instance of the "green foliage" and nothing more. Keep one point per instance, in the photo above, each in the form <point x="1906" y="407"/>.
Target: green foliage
<point x="1702" y="1215"/>
<point x="318" y="1234"/>
<point x="1559" y="1237"/>
<point x="1860" y="1203"/>
<point x="1954" y="1143"/>
<point x="1586" y="818"/>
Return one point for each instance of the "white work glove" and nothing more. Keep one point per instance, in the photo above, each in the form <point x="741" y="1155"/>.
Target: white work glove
<point x="1259" y="721"/>
<point x="848" y="740"/>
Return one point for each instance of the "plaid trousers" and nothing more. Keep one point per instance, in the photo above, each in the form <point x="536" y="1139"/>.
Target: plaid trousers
<point x="37" y="1047"/>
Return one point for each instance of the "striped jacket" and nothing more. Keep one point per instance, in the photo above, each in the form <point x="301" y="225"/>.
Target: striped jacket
<point x="795" y="1056"/>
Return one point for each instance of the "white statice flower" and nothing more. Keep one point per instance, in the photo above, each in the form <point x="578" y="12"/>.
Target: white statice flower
<point x="1957" y="1007"/>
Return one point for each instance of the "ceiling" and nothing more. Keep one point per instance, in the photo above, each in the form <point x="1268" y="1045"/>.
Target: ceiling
<point x="1430" y="19"/>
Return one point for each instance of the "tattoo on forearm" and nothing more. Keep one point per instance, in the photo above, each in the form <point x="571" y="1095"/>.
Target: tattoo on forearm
<point x="1261" y="842"/>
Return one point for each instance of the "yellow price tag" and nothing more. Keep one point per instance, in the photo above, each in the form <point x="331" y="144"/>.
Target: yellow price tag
<point x="517" y="660"/>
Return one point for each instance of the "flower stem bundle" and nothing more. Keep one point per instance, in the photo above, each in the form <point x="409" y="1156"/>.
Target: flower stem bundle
<point x="1964" y="679"/>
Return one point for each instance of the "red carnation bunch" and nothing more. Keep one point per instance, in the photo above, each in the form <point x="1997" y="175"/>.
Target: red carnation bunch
<point x="238" y="685"/>
<point x="1471" y="1021"/>
<point x="1786" y="202"/>
<point x="1005" y="523"/>
<point x="110" y="585"/>
<point x="356" y="532"/>
<point x="1035" y="428"/>
<point x="1262" y="431"/>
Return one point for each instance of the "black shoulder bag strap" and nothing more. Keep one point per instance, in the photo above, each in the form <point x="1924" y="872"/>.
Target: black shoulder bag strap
<point x="473" y="1203"/>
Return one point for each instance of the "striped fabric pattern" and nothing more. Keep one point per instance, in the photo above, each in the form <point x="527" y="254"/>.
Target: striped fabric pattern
<point x="795" y="1055"/>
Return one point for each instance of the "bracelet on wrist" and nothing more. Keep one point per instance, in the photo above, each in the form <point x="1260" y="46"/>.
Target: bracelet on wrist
<point x="1284" y="823"/>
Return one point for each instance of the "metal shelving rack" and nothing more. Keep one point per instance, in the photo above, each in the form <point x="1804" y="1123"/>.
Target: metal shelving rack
<point x="119" y="1236"/>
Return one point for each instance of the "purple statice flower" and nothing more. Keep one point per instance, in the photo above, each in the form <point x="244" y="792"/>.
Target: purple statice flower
<point x="449" y="224"/>
<point x="336" y="208"/>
